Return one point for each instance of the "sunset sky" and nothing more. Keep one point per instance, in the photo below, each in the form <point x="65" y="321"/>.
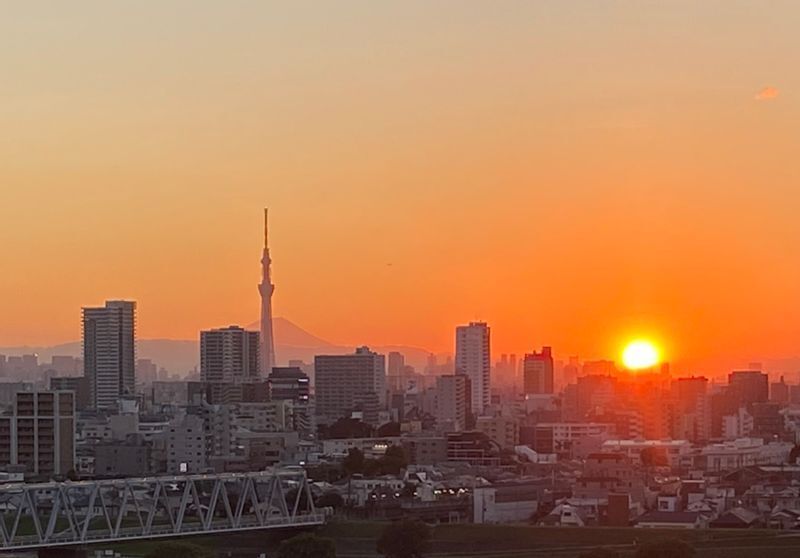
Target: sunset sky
<point x="574" y="173"/>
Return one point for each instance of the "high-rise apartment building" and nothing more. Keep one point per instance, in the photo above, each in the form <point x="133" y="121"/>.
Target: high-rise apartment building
<point x="40" y="434"/>
<point x="453" y="402"/>
<point x="77" y="384"/>
<point x="109" y="352"/>
<point x="473" y="360"/>
<point x="395" y="363"/>
<point x="290" y="383"/>
<point x="692" y="417"/>
<point x="748" y="386"/>
<point x="342" y="381"/>
<point x="229" y="355"/>
<point x="186" y="445"/>
<point x="538" y="372"/>
<point x="146" y="371"/>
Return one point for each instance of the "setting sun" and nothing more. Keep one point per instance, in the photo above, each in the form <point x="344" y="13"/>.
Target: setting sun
<point x="640" y="354"/>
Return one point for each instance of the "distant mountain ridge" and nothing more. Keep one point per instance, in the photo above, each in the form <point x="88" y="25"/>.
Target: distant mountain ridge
<point x="181" y="356"/>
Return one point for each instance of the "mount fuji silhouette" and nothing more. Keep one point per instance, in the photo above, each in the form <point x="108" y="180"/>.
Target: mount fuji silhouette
<point x="182" y="356"/>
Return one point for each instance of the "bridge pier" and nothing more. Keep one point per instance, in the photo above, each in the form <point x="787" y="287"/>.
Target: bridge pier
<point x="64" y="552"/>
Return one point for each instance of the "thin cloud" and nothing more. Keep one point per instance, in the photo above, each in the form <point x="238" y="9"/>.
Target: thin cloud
<point x="767" y="93"/>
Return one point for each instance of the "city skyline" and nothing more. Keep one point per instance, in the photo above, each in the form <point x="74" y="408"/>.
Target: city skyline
<point x="427" y="166"/>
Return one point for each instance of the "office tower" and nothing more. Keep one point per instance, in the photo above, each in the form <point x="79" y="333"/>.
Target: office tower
<point x="30" y="363"/>
<point x="395" y="362"/>
<point x="187" y="444"/>
<point x="593" y="393"/>
<point x="343" y="381"/>
<point x="77" y="384"/>
<point x="40" y="434"/>
<point x="473" y="360"/>
<point x="505" y="372"/>
<point x="266" y="289"/>
<point x="692" y="419"/>
<point x="431" y="365"/>
<point x="291" y="384"/>
<point x="109" y="352"/>
<point x="229" y="355"/>
<point x="395" y="372"/>
<point x="768" y="422"/>
<point x="146" y="371"/>
<point x="66" y="365"/>
<point x="599" y="368"/>
<point x="453" y="402"/>
<point x="538" y="372"/>
<point x="748" y="386"/>
<point x="514" y="369"/>
<point x="570" y="372"/>
<point x="779" y="392"/>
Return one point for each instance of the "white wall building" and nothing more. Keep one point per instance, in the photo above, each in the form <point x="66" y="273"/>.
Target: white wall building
<point x="738" y="425"/>
<point x="490" y="505"/>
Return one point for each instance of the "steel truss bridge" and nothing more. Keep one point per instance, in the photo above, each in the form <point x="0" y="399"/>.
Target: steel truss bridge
<point x="62" y="514"/>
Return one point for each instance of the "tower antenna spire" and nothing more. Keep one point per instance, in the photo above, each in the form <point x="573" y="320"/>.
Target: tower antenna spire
<point x="266" y="227"/>
<point x="266" y="289"/>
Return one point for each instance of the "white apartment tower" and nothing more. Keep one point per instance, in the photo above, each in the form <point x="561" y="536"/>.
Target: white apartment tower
<point x="109" y="352"/>
<point x="474" y="361"/>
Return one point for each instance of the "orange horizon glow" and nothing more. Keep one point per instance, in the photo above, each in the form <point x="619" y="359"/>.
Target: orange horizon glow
<point x="574" y="177"/>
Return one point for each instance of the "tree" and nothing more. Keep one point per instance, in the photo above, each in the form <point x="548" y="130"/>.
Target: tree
<point x="654" y="457"/>
<point x="307" y="545"/>
<point x="599" y="552"/>
<point x="409" y="490"/>
<point x="179" y="549"/>
<point x="291" y="499"/>
<point x="405" y="539"/>
<point x="665" y="548"/>
<point x="389" y="429"/>
<point x="349" y="428"/>
<point x="354" y="462"/>
<point x="330" y="500"/>
<point x="394" y="460"/>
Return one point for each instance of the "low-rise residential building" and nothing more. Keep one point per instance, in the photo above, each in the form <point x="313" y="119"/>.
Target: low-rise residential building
<point x="371" y="447"/>
<point x="422" y="450"/>
<point x="671" y="520"/>
<point x="559" y="437"/>
<point x="502" y="429"/>
<point x="130" y="458"/>
<point x="675" y="452"/>
<point x="744" y="452"/>
<point x="506" y="502"/>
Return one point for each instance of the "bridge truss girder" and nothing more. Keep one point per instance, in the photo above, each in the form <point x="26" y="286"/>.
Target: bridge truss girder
<point x="85" y="512"/>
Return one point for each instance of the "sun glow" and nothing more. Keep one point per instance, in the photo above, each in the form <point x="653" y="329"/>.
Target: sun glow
<point x="640" y="354"/>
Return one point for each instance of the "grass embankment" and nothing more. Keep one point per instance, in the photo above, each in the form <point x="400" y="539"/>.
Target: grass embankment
<point x="357" y="540"/>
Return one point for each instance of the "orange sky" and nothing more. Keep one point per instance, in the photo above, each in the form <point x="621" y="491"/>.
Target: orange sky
<point x="575" y="173"/>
